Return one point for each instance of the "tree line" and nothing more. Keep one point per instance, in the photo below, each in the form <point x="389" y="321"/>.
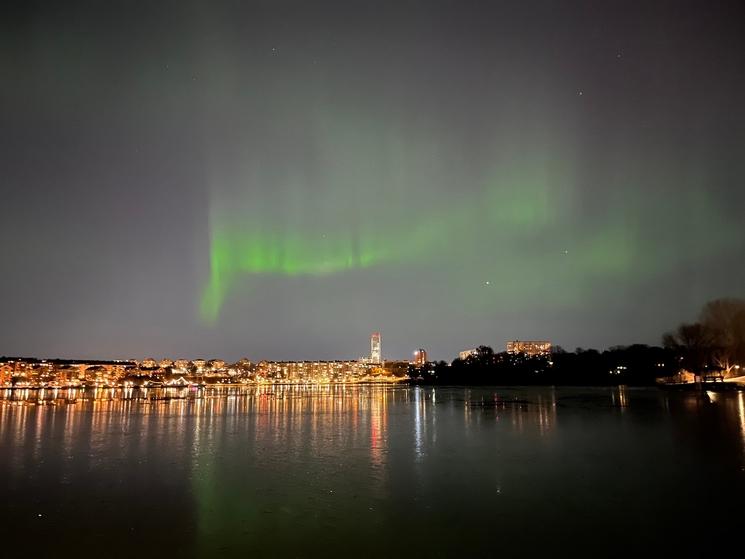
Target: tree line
<point x="713" y="344"/>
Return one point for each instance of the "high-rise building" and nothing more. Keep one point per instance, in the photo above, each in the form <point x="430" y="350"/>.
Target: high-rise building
<point x="420" y="357"/>
<point x="376" y="356"/>
<point x="529" y="347"/>
<point x="466" y="353"/>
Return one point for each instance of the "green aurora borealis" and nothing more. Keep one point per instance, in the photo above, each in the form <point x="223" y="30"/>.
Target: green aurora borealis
<point x="275" y="180"/>
<point x="517" y="227"/>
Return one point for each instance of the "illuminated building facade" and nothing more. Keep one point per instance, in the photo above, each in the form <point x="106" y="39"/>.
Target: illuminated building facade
<point x="6" y="374"/>
<point x="376" y="355"/>
<point x="215" y="364"/>
<point x="148" y="363"/>
<point x="181" y="365"/>
<point x="529" y="347"/>
<point x="314" y="371"/>
<point x="34" y="373"/>
<point x="466" y="353"/>
<point x="420" y="357"/>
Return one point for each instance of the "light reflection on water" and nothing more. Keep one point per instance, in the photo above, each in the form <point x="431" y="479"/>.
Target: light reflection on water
<point x="303" y="470"/>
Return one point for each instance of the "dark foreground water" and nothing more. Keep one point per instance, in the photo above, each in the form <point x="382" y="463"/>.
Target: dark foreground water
<point x="371" y="471"/>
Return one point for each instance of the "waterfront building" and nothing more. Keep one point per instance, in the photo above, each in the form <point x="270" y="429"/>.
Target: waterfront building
<point x="313" y="371"/>
<point x="529" y="347"/>
<point x="69" y="375"/>
<point x="6" y="374"/>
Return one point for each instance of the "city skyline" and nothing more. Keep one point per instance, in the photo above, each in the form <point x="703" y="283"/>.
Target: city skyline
<point x="419" y="355"/>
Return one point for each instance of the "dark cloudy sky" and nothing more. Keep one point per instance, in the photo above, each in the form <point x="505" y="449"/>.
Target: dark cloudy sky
<point x="279" y="179"/>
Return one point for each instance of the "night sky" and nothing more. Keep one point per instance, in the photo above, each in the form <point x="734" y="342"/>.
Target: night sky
<point x="279" y="179"/>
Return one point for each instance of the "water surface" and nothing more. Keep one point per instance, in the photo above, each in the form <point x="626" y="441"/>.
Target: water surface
<point x="370" y="471"/>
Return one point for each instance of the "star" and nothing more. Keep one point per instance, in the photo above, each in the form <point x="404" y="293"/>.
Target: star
<point x="487" y="283"/>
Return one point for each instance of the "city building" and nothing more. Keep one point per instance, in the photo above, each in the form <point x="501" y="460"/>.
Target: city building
<point x="148" y="363"/>
<point x="420" y="357"/>
<point x="216" y="364"/>
<point x="313" y="371"/>
<point x="6" y="374"/>
<point x="181" y="365"/>
<point x="376" y="355"/>
<point x="466" y="353"/>
<point x="529" y="347"/>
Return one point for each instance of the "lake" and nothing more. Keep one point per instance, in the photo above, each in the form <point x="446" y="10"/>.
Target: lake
<point x="370" y="471"/>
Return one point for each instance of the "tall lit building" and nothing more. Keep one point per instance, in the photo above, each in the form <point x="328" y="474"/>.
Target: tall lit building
<point x="376" y="356"/>
<point x="420" y="357"/>
<point x="529" y="347"/>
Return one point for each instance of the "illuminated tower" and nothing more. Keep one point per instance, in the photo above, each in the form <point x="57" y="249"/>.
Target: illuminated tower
<point x="376" y="355"/>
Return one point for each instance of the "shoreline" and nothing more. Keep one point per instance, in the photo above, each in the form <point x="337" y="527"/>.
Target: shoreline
<point x="683" y="387"/>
